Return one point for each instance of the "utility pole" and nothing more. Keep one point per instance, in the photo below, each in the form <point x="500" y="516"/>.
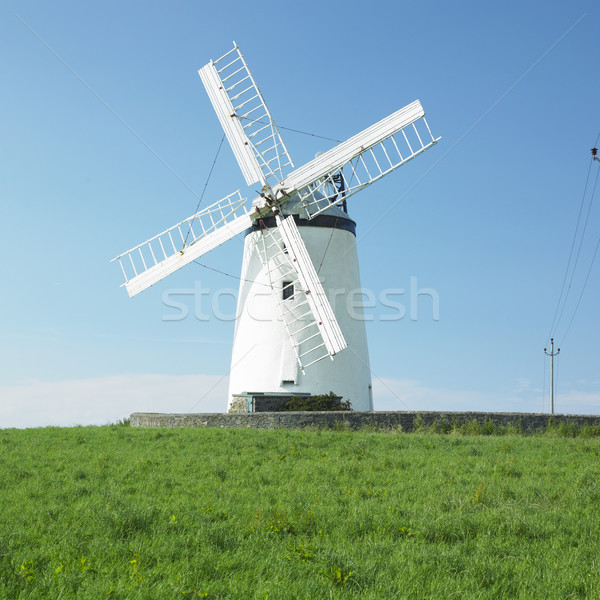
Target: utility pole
<point x="552" y="354"/>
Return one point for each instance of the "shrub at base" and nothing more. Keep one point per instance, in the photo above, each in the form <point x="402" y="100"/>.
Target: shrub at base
<point x="322" y="402"/>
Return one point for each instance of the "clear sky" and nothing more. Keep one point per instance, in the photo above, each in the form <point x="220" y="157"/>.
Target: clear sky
<point x="107" y="138"/>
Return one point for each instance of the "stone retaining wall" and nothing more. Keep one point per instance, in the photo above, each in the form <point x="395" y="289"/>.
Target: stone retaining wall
<point x="529" y="422"/>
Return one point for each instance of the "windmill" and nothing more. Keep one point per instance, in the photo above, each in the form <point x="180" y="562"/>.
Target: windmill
<point x="297" y="236"/>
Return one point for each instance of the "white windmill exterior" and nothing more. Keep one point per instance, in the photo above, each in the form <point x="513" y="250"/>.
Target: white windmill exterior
<point x="294" y="331"/>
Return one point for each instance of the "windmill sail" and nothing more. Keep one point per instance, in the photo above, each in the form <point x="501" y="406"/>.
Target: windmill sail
<point x="360" y="161"/>
<point x="245" y="118"/>
<point x="307" y="315"/>
<point x="317" y="300"/>
<point x="165" y="253"/>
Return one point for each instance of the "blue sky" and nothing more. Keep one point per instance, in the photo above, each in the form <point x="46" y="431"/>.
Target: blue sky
<point x="108" y="138"/>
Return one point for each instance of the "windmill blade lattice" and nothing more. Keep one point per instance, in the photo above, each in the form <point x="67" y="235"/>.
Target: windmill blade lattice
<point x="165" y="253"/>
<point x="307" y="315"/>
<point x="360" y="161"/>
<point x="245" y="118"/>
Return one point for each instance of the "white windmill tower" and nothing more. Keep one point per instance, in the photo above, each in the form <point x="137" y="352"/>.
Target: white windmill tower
<point x="299" y="243"/>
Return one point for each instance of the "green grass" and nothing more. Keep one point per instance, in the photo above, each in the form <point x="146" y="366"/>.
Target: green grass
<point x="114" y="512"/>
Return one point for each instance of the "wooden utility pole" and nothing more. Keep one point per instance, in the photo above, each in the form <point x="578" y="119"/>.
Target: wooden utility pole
<point x="552" y="354"/>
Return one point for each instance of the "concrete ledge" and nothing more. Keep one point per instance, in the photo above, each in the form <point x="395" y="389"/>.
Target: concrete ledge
<point x="528" y="422"/>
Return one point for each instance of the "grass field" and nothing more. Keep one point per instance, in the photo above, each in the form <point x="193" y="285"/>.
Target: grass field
<point x="115" y="512"/>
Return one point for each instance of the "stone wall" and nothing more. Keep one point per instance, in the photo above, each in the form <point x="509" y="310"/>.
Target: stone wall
<point x="529" y="422"/>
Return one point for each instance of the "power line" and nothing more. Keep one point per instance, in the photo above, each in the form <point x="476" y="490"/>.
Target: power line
<point x="589" y="268"/>
<point x="562" y="289"/>
<point x="582" y="290"/>
<point x="587" y="217"/>
<point x="555" y="321"/>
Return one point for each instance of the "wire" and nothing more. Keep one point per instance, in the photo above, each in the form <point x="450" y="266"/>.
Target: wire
<point x="588" y="272"/>
<point x="297" y="131"/>
<point x="582" y="290"/>
<point x="205" y="185"/>
<point x="230" y="275"/>
<point x="578" y="252"/>
<point x="571" y="252"/>
<point x="328" y="242"/>
<point x="560" y="297"/>
<point x="562" y="289"/>
<point x="322" y="137"/>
